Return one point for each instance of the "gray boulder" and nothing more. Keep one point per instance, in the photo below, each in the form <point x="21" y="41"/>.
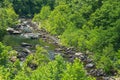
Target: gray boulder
<point x="31" y="35"/>
<point x="23" y="44"/>
<point x="16" y="32"/>
<point x="27" y="51"/>
<point x="90" y="65"/>
<point x="10" y="30"/>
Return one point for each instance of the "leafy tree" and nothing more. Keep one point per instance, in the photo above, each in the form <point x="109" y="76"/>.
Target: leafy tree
<point x="44" y="14"/>
<point x="8" y="18"/>
<point x="75" y="71"/>
<point x="57" y="69"/>
<point x="29" y="7"/>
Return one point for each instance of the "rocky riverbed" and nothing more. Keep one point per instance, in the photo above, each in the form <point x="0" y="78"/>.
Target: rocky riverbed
<point x="25" y="36"/>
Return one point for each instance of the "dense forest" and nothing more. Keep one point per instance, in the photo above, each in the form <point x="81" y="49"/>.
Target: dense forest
<point x="86" y="29"/>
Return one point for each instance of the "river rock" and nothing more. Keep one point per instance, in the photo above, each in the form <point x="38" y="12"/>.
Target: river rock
<point x="16" y="32"/>
<point x="33" y="66"/>
<point x="89" y="65"/>
<point x="21" y="56"/>
<point x="110" y="78"/>
<point x="13" y="31"/>
<point x="13" y="58"/>
<point x="23" y="44"/>
<point x="30" y="35"/>
<point x="27" y="29"/>
<point x="58" y="49"/>
<point x="47" y="47"/>
<point x="80" y="55"/>
<point x="22" y="59"/>
<point x="97" y="72"/>
<point x="32" y="24"/>
<point x="10" y="30"/>
<point x="89" y="60"/>
<point x="27" y="51"/>
<point x="71" y="58"/>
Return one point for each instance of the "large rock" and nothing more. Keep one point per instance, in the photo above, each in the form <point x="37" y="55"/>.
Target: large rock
<point x="23" y="44"/>
<point x="27" y="29"/>
<point x="10" y="30"/>
<point x="27" y="51"/>
<point x="90" y="65"/>
<point x="110" y="78"/>
<point x="16" y="32"/>
<point x="58" y="49"/>
<point x="89" y="60"/>
<point x="13" y="58"/>
<point x="21" y="56"/>
<point x="13" y="31"/>
<point x="31" y="35"/>
<point x="97" y="72"/>
<point x="33" y="66"/>
<point x="80" y="55"/>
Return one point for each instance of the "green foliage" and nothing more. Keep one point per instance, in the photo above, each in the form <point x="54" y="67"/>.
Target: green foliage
<point x="7" y="68"/>
<point x="106" y="59"/>
<point x="8" y="18"/>
<point x="40" y="57"/>
<point x="89" y="25"/>
<point x="67" y="37"/>
<point x="57" y="69"/>
<point x="75" y="71"/>
<point x="44" y="13"/>
<point x="58" y="20"/>
<point x="5" y="3"/>
<point x="4" y="54"/>
<point x="29" y="7"/>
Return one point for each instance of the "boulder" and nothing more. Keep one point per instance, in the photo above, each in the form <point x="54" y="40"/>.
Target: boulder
<point x="27" y="29"/>
<point x="78" y="54"/>
<point x="10" y="30"/>
<point x="110" y="78"/>
<point x="27" y="51"/>
<point x="16" y="32"/>
<point x="58" y="49"/>
<point x="31" y="35"/>
<point x="21" y="56"/>
<point x="81" y="56"/>
<point x="97" y="72"/>
<point x="33" y="66"/>
<point x="13" y="58"/>
<point x="23" y="44"/>
<point x="22" y="59"/>
<point x="89" y="65"/>
<point x="13" y="31"/>
<point x="89" y="60"/>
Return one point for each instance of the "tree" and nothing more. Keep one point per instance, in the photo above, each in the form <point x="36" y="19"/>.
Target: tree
<point x="8" y="18"/>
<point x="29" y="7"/>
